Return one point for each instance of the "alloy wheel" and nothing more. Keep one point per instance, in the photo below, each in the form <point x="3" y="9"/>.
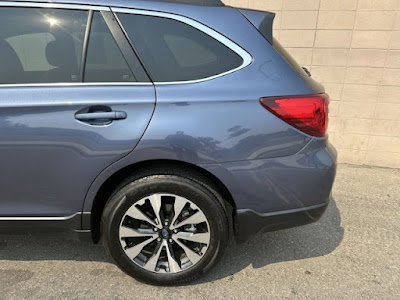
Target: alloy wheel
<point x="164" y="233"/>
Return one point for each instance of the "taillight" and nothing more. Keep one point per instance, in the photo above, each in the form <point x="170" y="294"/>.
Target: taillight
<point x="306" y="113"/>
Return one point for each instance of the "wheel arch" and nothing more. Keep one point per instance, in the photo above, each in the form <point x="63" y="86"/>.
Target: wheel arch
<point x="111" y="183"/>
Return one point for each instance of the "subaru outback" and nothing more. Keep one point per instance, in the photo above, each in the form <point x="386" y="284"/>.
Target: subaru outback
<point x="161" y="128"/>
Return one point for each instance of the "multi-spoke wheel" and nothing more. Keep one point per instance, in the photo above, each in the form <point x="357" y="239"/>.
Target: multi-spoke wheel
<point x="165" y="229"/>
<point x="164" y="233"/>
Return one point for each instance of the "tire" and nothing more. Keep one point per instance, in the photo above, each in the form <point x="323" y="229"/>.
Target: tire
<point x="176" y="249"/>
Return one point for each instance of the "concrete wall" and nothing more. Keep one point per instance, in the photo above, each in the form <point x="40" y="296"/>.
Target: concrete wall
<point x="353" y="48"/>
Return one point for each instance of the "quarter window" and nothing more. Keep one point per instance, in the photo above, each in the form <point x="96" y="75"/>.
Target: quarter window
<point x="41" y="45"/>
<point x="175" y="51"/>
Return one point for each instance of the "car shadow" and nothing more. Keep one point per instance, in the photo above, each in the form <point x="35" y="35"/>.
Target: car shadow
<point x="263" y="249"/>
<point x="314" y="240"/>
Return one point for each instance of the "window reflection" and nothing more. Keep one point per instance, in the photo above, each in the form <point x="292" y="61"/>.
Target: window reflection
<point x="39" y="45"/>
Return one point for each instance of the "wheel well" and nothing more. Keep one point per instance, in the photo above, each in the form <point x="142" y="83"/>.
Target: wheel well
<point x="109" y="186"/>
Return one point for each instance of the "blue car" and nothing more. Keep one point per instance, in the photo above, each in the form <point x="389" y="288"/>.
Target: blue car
<point x="161" y="128"/>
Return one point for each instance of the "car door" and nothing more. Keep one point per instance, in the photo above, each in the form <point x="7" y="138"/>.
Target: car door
<point x="73" y="100"/>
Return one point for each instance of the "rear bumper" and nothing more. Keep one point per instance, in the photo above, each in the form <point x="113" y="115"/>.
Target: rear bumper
<point x="280" y="192"/>
<point x="250" y="222"/>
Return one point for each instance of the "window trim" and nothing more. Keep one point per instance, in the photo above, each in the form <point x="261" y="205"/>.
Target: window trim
<point x="247" y="58"/>
<point x="52" y="5"/>
<point x="86" y="45"/>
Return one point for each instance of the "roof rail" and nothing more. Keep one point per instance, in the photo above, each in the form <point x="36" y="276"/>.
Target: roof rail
<point x="197" y="2"/>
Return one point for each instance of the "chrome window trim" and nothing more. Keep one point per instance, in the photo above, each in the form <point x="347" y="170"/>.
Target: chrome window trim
<point x="52" y="5"/>
<point x="247" y="58"/>
<point x="74" y="84"/>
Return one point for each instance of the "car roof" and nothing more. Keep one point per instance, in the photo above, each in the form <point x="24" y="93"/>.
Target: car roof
<point x="127" y="3"/>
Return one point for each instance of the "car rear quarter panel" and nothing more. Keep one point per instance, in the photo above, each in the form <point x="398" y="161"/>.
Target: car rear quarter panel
<point x="221" y="120"/>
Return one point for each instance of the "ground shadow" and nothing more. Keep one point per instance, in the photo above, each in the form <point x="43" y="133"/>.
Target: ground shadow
<point x="314" y="240"/>
<point x="309" y="241"/>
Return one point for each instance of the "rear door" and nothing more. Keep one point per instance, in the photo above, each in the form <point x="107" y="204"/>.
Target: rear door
<point x="73" y="100"/>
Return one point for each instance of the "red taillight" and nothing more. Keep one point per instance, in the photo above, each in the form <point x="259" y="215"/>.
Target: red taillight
<point x="306" y="113"/>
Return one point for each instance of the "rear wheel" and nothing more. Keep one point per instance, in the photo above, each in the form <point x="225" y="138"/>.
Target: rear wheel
<point x="165" y="229"/>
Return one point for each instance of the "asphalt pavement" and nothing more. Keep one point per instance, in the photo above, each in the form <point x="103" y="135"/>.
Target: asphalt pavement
<point x="353" y="252"/>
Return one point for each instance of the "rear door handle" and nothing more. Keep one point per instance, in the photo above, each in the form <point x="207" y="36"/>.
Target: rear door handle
<point x="110" y="115"/>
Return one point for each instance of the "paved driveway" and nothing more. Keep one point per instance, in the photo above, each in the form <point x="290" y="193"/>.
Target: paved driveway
<point x="352" y="253"/>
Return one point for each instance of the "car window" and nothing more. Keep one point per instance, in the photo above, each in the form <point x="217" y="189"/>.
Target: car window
<point x="175" y="51"/>
<point x="104" y="61"/>
<point x="39" y="45"/>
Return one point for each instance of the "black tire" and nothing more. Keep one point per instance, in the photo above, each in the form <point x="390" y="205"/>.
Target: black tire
<point x="197" y="189"/>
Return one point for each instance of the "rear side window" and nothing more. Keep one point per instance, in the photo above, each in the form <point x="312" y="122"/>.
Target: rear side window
<point x="41" y="45"/>
<point x="104" y="61"/>
<point x="174" y="51"/>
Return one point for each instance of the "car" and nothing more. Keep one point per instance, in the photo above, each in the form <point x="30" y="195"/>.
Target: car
<point x="161" y="128"/>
